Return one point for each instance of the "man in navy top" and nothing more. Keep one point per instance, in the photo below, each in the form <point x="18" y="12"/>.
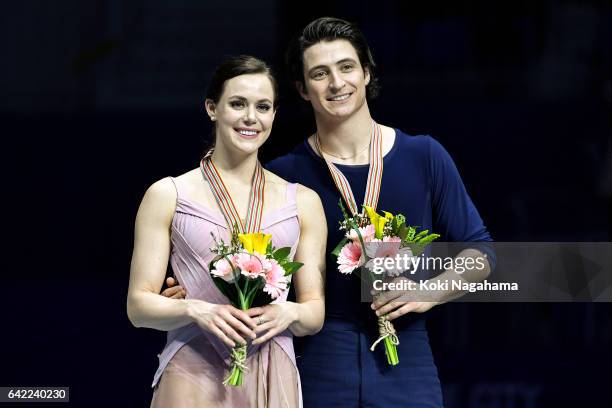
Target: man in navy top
<point x="333" y="69"/>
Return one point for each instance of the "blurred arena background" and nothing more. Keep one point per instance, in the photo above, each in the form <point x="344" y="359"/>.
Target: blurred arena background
<point x="101" y="98"/>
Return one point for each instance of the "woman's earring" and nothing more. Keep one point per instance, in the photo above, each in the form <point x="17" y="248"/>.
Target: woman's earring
<point x="212" y="118"/>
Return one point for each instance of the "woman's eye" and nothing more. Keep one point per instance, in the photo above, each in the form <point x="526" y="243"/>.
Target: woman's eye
<point x="347" y="67"/>
<point x="237" y="104"/>
<point x="319" y="75"/>
<point x="264" y="107"/>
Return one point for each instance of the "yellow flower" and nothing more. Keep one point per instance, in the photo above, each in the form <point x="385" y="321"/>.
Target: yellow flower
<point x="378" y="221"/>
<point x="255" y="242"/>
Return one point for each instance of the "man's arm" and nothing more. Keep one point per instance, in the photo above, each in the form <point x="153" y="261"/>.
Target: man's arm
<point x="456" y="219"/>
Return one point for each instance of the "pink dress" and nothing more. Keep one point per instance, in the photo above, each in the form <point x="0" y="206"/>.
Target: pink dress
<point x="194" y="362"/>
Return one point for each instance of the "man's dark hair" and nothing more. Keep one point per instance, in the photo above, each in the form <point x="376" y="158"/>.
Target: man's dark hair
<point x="329" y="29"/>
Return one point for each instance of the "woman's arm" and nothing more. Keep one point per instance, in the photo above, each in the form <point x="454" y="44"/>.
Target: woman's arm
<point x="306" y="315"/>
<point x="145" y="306"/>
<point x="310" y="279"/>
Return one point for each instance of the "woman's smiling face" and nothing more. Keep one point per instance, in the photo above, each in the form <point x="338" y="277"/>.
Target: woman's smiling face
<point x="244" y="113"/>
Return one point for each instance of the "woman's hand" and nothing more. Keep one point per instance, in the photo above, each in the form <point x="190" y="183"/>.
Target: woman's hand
<point x="224" y="321"/>
<point x="273" y="318"/>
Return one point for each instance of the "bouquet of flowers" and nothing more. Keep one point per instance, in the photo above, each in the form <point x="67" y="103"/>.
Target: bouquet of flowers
<point x="250" y="272"/>
<point x="370" y="236"/>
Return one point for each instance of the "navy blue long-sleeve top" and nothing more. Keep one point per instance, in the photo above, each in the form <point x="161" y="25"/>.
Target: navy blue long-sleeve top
<point x="420" y="180"/>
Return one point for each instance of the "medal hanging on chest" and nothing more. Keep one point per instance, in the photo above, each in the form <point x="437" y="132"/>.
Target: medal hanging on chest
<point x="370" y="237"/>
<point x="224" y="200"/>
<point x="356" y="251"/>
<point x="375" y="173"/>
<point x="249" y="271"/>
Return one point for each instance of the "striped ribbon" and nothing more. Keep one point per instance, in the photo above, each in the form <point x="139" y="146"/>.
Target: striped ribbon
<point x="375" y="172"/>
<point x="225" y="202"/>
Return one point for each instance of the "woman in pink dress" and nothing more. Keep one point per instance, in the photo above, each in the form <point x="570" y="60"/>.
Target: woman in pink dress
<point x="174" y="223"/>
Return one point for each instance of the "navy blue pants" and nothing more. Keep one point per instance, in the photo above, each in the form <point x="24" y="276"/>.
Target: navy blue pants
<point x="338" y="369"/>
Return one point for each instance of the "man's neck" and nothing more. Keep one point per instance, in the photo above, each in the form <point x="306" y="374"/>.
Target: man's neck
<point x="346" y="138"/>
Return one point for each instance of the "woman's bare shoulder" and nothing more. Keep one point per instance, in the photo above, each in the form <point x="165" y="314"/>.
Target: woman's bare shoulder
<point x="161" y="190"/>
<point x="188" y="181"/>
<point x="162" y="195"/>
<point x="158" y="203"/>
<point x="307" y="195"/>
<point x="189" y="176"/>
<point x="274" y="178"/>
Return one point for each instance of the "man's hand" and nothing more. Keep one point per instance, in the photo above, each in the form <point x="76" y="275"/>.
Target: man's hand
<point x="395" y="303"/>
<point x="173" y="291"/>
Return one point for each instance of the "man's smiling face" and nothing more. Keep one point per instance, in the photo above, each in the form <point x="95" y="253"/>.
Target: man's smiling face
<point x="335" y="82"/>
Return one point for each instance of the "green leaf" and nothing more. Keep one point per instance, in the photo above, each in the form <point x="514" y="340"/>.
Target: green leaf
<point x="417" y="249"/>
<point x="344" y="213"/>
<point x="281" y="253"/>
<point x="402" y="231"/>
<point x="394" y="225"/>
<point x="252" y="293"/>
<point x="398" y="225"/>
<point x="338" y="248"/>
<point x="428" y="239"/>
<point x="411" y="232"/>
<point x="421" y="234"/>
<point x="291" y="267"/>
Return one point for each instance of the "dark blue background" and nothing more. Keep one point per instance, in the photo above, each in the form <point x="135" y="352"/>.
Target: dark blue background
<point x="101" y="98"/>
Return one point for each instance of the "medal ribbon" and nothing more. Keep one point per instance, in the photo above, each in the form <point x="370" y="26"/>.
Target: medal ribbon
<point x="375" y="172"/>
<point x="224" y="199"/>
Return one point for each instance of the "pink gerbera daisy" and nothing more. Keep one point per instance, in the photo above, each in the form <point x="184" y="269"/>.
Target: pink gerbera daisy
<point x="349" y="258"/>
<point x="276" y="282"/>
<point x="223" y="269"/>
<point x="251" y="265"/>
<point x="367" y="233"/>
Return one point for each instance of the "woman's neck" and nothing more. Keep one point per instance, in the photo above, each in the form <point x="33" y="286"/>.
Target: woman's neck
<point x="239" y="168"/>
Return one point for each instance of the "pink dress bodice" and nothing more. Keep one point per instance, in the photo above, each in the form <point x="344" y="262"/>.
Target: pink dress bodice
<point x="191" y="241"/>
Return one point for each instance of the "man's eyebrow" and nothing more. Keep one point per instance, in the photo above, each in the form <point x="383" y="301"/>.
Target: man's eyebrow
<point x="311" y="70"/>
<point x="345" y="60"/>
<point x="322" y="66"/>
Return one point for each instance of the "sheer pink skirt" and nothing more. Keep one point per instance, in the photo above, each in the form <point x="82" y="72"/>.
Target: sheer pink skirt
<point x="194" y="378"/>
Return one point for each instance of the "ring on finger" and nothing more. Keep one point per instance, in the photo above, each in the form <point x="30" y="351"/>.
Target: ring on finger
<point x="260" y="321"/>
